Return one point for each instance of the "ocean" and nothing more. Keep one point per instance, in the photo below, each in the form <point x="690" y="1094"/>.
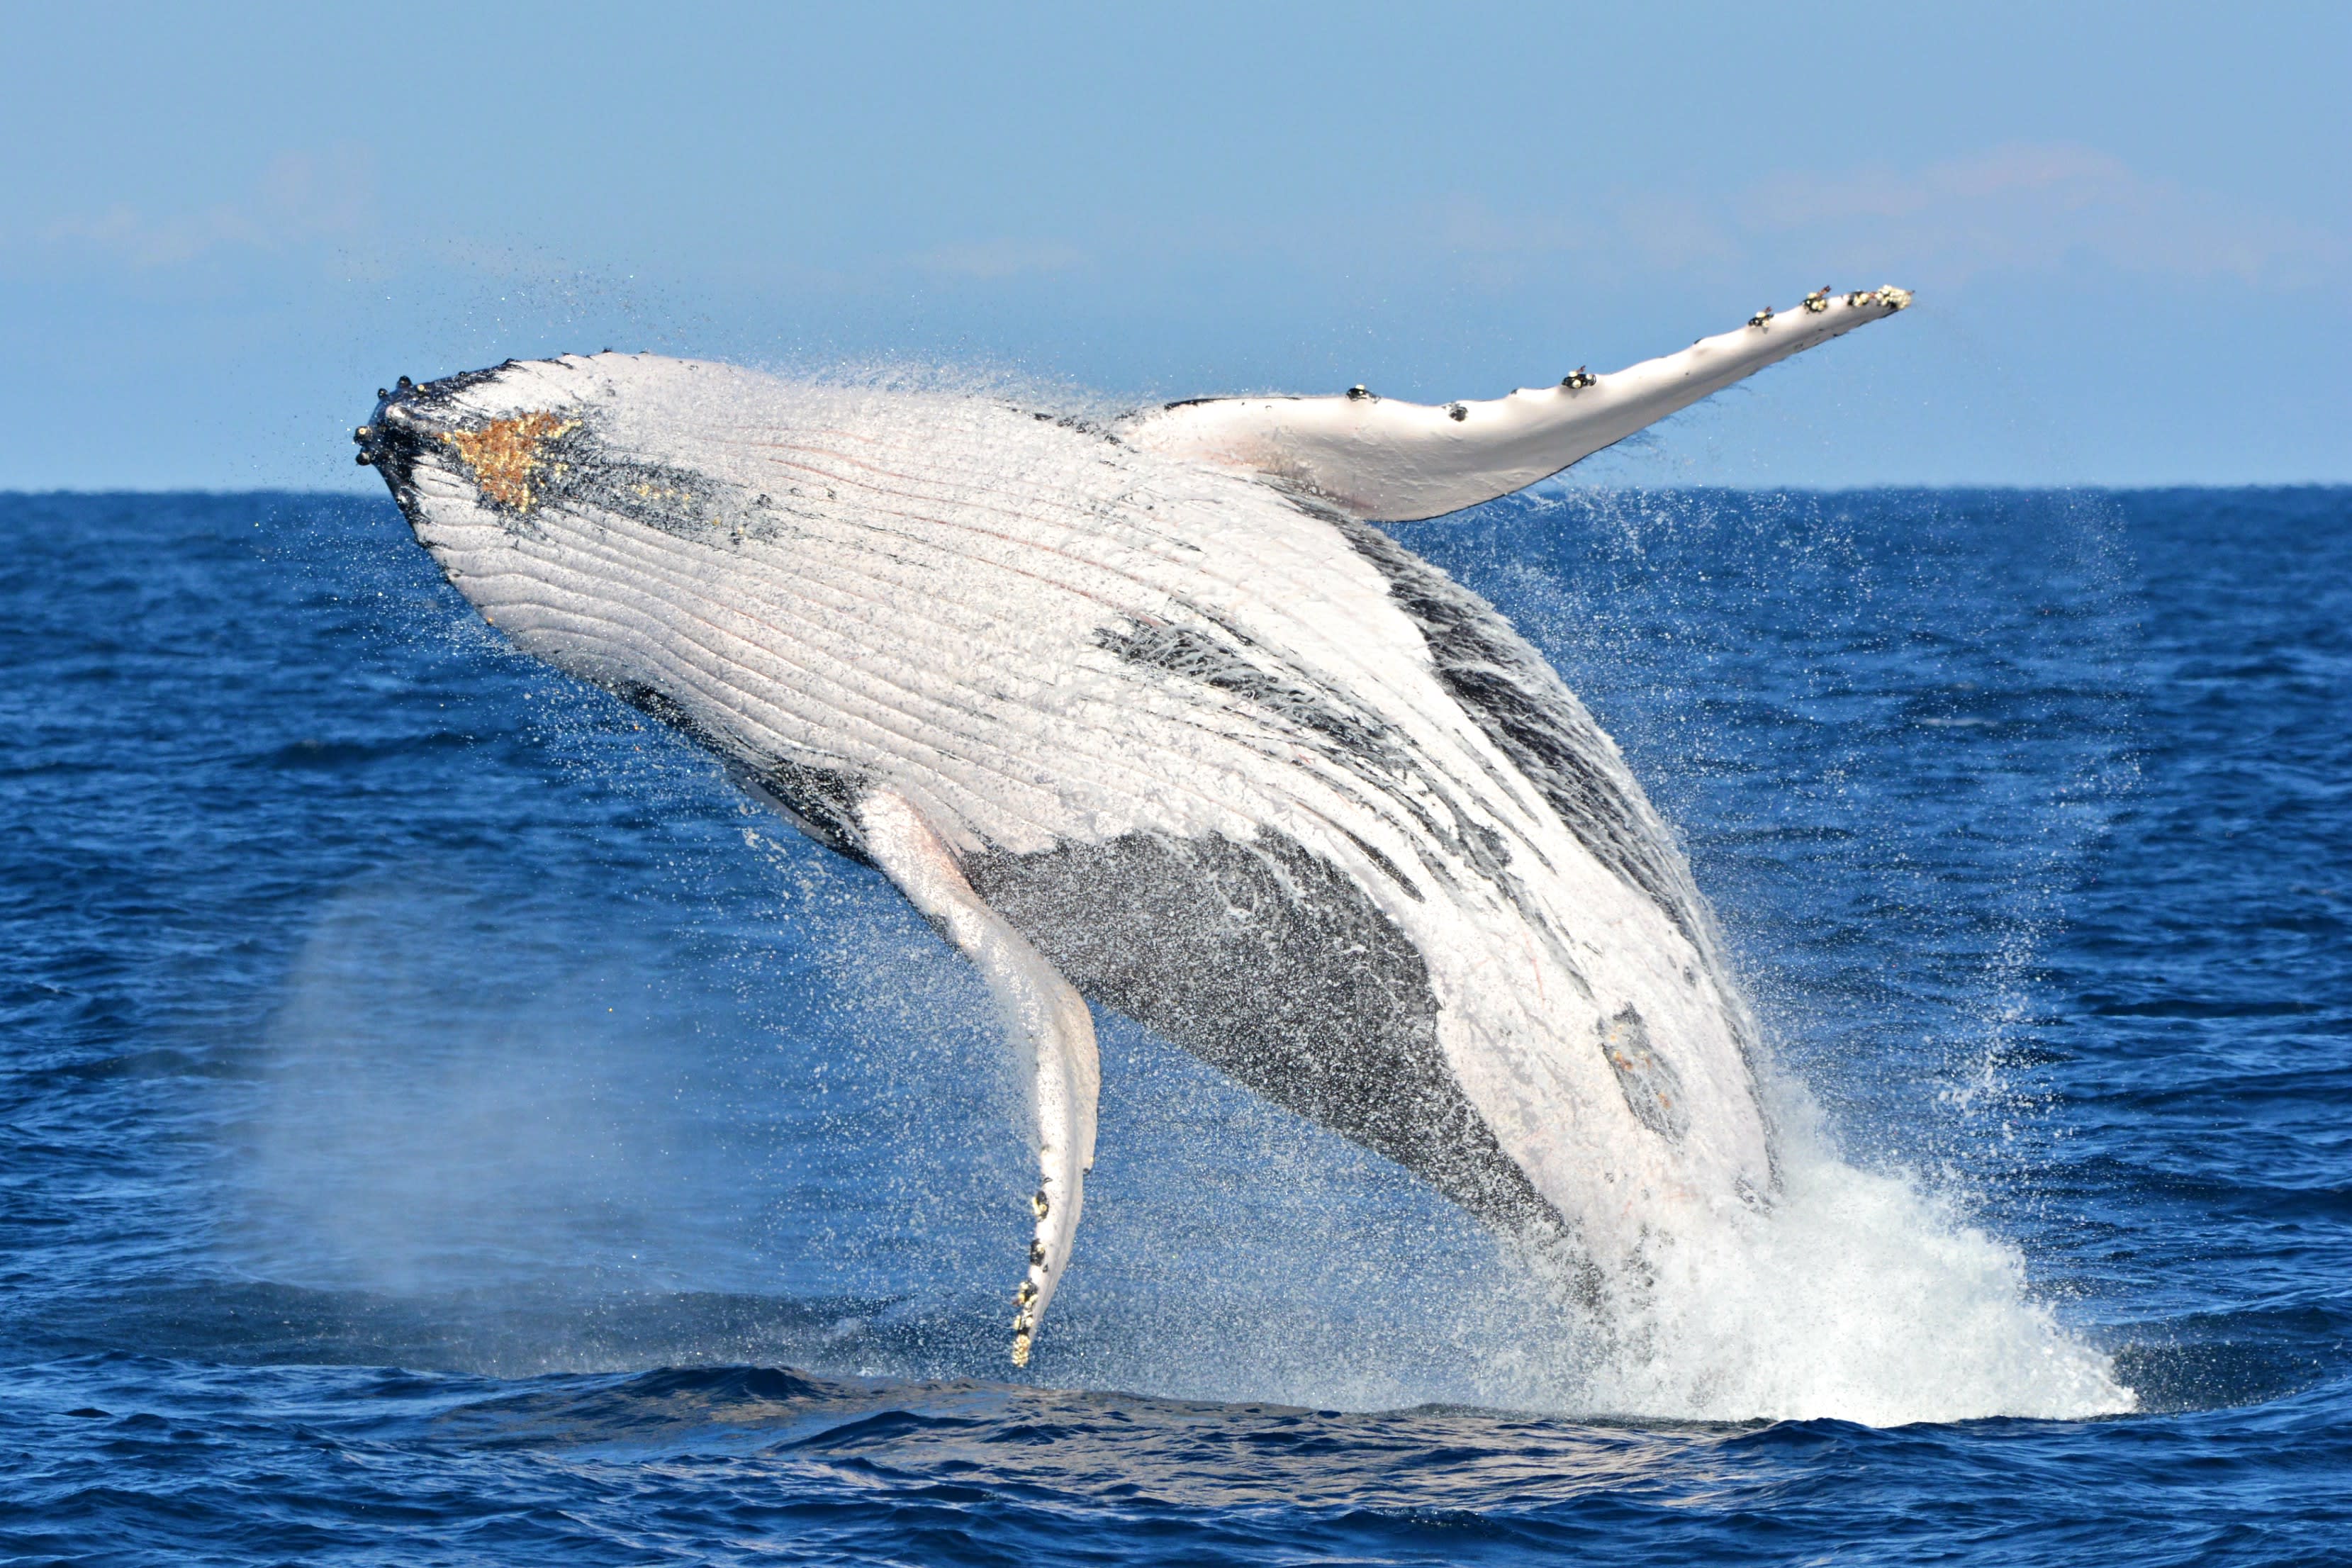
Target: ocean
<point x="444" y="1123"/>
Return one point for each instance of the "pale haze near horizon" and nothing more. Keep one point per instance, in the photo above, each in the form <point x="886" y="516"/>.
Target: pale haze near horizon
<point x="2129" y="228"/>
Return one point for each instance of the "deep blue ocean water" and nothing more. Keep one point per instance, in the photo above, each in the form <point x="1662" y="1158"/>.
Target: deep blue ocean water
<point x="442" y="1124"/>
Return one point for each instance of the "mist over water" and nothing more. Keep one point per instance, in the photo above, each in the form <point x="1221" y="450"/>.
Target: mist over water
<point x="462" y="1137"/>
<point x="380" y="1000"/>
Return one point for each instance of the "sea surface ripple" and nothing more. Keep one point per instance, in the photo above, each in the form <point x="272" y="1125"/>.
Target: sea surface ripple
<point x="444" y="1125"/>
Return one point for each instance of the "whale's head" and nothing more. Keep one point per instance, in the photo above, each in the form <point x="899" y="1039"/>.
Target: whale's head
<point x="513" y="477"/>
<point x="495" y="448"/>
<point x="468" y="457"/>
<point x="570" y="499"/>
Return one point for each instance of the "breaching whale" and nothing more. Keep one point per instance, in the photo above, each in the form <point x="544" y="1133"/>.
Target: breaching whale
<point x="1153" y="712"/>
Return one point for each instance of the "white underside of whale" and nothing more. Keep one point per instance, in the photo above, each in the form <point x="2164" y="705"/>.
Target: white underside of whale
<point x="939" y="598"/>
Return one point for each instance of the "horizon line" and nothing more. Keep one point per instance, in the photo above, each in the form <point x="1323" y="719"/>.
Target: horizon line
<point x="1557" y="492"/>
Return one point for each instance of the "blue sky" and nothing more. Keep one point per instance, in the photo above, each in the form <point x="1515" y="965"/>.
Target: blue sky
<point x="2130" y="228"/>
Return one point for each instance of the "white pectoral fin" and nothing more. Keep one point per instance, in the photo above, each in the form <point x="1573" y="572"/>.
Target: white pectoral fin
<point x="1044" y="1019"/>
<point x="1389" y="461"/>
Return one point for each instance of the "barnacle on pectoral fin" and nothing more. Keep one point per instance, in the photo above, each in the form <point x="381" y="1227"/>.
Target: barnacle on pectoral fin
<point x="506" y="455"/>
<point x="1024" y="1320"/>
<point x="1029" y="1296"/>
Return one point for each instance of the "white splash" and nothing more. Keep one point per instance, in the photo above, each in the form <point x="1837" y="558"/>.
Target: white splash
<point x="1860" y="1297"/>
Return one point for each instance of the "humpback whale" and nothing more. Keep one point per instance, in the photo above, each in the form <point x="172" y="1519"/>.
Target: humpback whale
<point x="1153" y="712"/>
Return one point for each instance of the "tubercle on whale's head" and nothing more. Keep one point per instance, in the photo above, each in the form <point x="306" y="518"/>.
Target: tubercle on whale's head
<point x="408" y="417"/>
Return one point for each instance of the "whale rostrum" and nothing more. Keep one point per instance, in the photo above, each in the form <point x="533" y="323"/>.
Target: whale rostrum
<point x="1154" y="714"/>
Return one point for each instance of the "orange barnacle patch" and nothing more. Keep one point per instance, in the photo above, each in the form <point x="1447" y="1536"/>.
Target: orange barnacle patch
<point x="506" y="456"/>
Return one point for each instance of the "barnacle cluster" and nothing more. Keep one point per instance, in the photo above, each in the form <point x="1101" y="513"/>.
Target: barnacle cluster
<point x="506" y="455"/>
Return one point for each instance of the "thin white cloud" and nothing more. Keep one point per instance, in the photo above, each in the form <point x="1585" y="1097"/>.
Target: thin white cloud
<point x="2020" y="211"/>
<point x="302" y="198"/>
<point x="1676" y="231"/>
<point x="993" y="259"/>
<point x="2030" y="208"/>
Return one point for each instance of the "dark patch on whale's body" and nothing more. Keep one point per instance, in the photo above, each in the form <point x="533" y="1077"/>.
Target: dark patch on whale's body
<point x="1528" y="711"/>
<point x="1274" y="967"/>
<point x="1325" y="717"/>
<point x="572" y="466"/>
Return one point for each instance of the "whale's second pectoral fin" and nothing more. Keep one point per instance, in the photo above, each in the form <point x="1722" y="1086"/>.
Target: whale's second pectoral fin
<point x="1389" y="461"/>
<point x="1044" y="1017"/>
